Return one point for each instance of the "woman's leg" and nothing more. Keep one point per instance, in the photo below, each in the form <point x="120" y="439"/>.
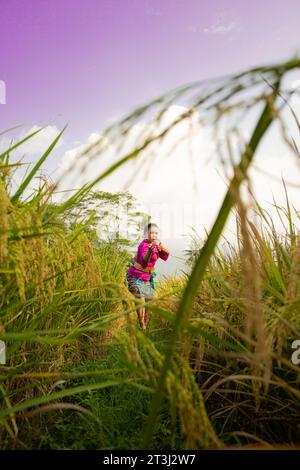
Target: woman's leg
<point x="141" y="312"/>
<point x="147" y="312"/>
<point x="149" y="297"/>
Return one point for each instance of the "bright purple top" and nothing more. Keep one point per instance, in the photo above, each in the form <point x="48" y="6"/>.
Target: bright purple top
<point x="142" y="250"/>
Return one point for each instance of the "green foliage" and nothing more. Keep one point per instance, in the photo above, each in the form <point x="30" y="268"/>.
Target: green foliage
<point x="215" y="369"/>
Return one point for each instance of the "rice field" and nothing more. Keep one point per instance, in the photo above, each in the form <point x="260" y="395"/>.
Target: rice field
<point x="214" y="371"/>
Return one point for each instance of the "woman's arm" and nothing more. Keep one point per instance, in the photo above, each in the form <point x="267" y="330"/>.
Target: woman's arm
<point x="163" y="253"/>
<point x="147" y="256"/>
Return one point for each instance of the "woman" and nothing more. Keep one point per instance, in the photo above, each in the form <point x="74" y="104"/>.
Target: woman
<point x="140" y="276"/>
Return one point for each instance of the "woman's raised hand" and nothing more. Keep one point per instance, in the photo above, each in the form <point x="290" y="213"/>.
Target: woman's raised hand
<point x="151" y="246"/>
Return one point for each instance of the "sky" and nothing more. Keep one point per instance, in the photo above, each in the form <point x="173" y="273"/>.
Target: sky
<point x="88" y="63"/>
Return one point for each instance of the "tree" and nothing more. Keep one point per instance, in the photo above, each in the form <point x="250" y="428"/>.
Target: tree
<point x="112" y="217"/>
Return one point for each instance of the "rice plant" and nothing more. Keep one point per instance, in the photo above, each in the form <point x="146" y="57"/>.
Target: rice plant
<point x="216" y="370"/>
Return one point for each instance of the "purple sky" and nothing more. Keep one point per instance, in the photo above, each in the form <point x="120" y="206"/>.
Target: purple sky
<point x="86" y="61"/>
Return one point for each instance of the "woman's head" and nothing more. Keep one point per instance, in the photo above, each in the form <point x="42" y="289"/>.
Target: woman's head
<point x="152" y="230"/>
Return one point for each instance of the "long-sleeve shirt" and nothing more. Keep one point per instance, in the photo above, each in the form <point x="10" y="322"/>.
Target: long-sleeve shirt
<point x="142" y="250"/>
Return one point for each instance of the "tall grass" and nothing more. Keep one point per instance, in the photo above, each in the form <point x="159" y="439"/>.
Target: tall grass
<point x="217" y="363"/>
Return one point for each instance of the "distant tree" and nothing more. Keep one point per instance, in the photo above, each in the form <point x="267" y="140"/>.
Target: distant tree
<point x="109" y="217"/>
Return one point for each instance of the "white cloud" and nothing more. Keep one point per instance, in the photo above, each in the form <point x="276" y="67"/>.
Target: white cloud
<point x="164" y="182"/>
<point x="218" y="28"/>
<point x="225" y="23"/>
<point x="32" y="149"/>
<point x="36" y="144"/>
<point x="40" y="142"/>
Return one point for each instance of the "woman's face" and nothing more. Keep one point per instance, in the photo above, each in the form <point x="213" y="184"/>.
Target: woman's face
<point x="153" y="234"/>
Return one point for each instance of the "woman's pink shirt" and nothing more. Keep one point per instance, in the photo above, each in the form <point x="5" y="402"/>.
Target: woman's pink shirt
<point x="141" y="252"/>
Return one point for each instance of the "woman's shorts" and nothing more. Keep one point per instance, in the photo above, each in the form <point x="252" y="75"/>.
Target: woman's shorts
<point x="138" y="286"/>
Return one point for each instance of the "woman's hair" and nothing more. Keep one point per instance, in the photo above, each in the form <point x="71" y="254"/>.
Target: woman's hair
<point x="147" y="227"/>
